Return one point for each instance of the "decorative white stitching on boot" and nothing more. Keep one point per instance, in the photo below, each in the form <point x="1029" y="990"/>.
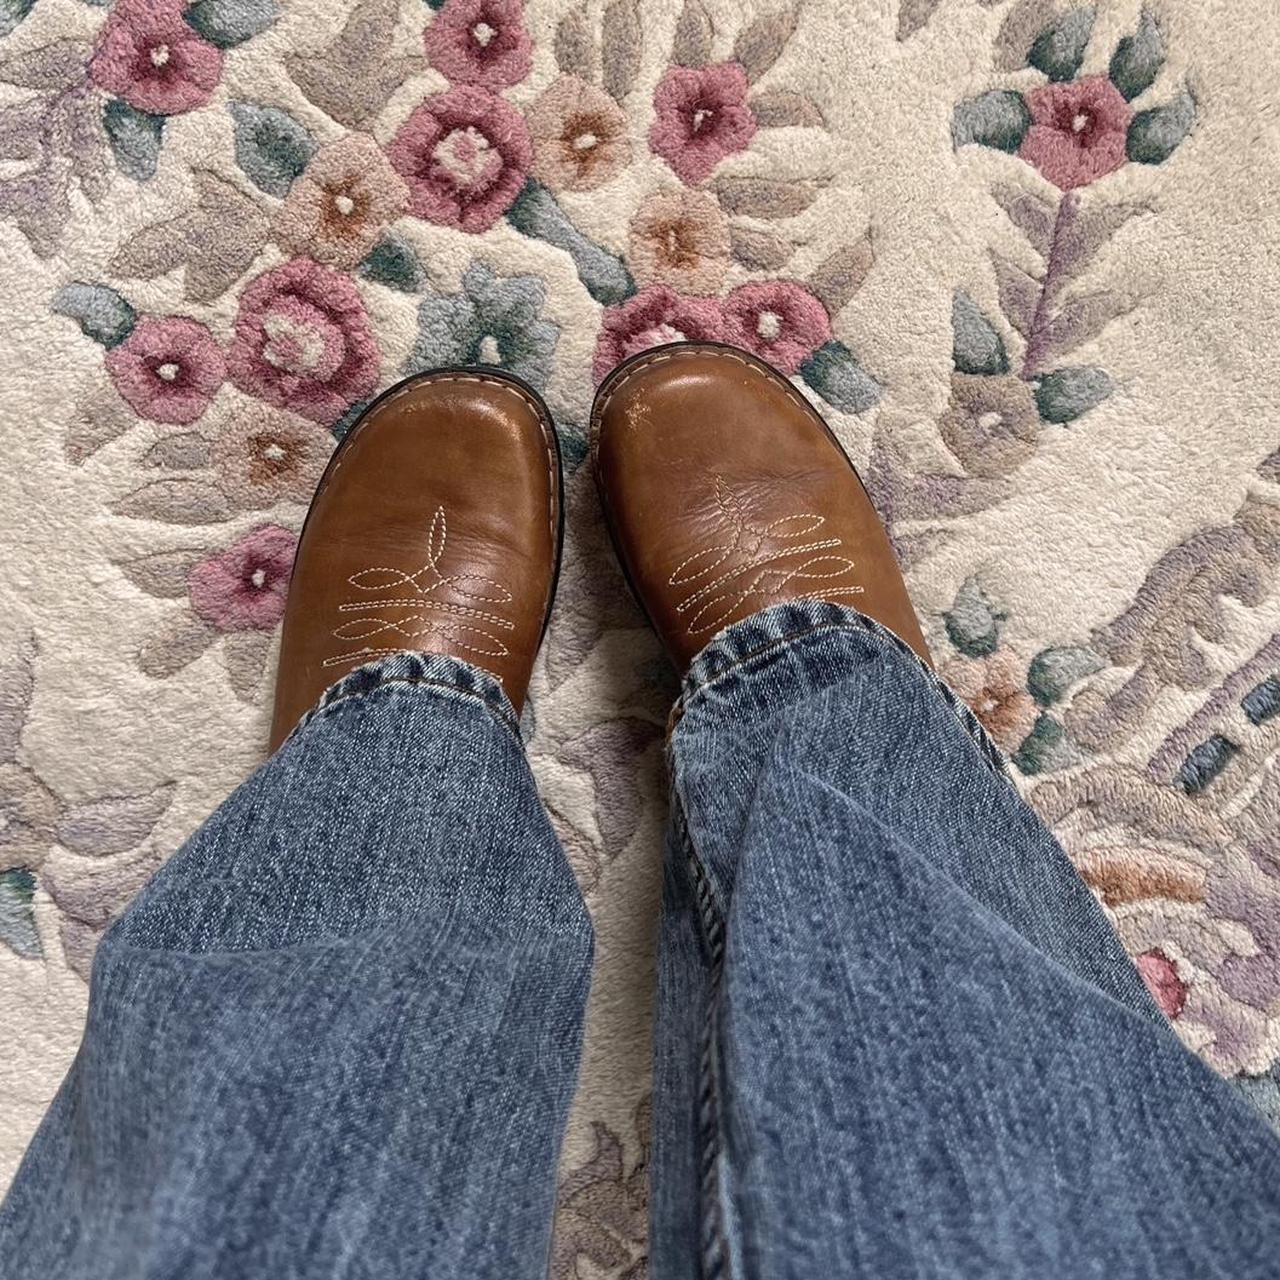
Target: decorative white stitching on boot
<point x="753" y="563"/>
<point x="419" y="612"/>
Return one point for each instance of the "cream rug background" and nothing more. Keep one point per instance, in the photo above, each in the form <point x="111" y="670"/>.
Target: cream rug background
<point x="1023" y="254"/>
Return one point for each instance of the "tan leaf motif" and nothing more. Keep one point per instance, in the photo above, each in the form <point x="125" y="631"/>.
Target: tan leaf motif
<point x="1031" y="215"/>
<point x="764" y="197"/>
<point x="185" y="451"/>
<point x="575" y="48"/>
<point x="163" y="574"/>
<point x="94" y="893"/>
<point x="621" y="45"/>
<point x="102" y="416"/>
<point x="245" y="653"/>
<point x="354" y="75"/>
<point x="758" y="250"/>
<point x="1022" y="24"/>
<point x="56" y="66"/>
<point x="837" y="279"/>
<point x="17" y="683"/>
<point x="175" y="646"/>
<point x="778" y="108"/>
<point x="914" y="14"/>
<point x="760" y="45"/>
<point x="1019" y="294"/>
<point x="176" y="501"/>
<point x="113" y="824"/>
<point x="694" y="32"/>
<point x="216" y="241"/>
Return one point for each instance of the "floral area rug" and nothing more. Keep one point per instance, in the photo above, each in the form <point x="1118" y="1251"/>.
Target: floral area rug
<point x="1022" y="254"/>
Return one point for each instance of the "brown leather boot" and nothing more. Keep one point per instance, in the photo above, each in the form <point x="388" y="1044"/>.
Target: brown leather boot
<point x="725" y="492"/>
<point x="435" y="528"/>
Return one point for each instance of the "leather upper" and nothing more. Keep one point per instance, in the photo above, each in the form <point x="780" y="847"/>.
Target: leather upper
<point x="725" y="492"/>
<point x="436" y="528"/>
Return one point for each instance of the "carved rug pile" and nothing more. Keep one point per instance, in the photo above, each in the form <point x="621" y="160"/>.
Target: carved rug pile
<point x="1024" y="255"/>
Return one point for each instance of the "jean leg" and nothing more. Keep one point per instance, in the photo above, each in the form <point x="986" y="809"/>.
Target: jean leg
<point x="924" y="1052"/>
<point x="338" y="1033"/>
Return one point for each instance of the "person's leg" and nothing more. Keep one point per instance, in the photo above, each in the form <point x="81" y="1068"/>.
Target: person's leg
<point x="338" y="1033"/>
<point x="896" y="1036"/>
<point x="915" y="1046"/>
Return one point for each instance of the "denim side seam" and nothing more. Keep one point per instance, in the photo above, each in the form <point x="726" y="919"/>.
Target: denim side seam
<point x="448" y="676"/>
<point x="786" y="624"/>
<point x="714" y="1250"/>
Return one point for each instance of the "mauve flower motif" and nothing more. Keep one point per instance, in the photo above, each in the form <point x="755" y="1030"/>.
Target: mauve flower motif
<point x="991" y="424"/>
<point x="778" y="320"/>
<point x="303" y="341"/>
<point x="336" y="209"/>
<point x="465" y="155"/>
<point x="169" y="369"/>
<point x="1078" y="131"/>
<point x="580" y="137"/>
<point x="243" y="588"/>
<point x="480" y="42"/>
<point x="701" y="116"/>
<point x="654" y="316"/>
<point x="148" y="55"/>
<point x="681" y="238"/>
<point x="268" y="456"/>
<point x="996" y="690"/>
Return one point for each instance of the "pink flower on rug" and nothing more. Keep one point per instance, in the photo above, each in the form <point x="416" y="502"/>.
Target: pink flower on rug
<point x="1078" y="131"/>
<point x="701" y="116"/>
<point x="168" y="370"/>
<point x="465" y="155"/>
<point x="303" y="341"/>
<point x="780" y="321"/>
<point x="336" y="209"/>
<point x="1158" y="972"/>
<point x="243" y="588"/>
<point x="680" y="237"/>
<point x="151" y="58"/>
<point x="580" y="138"/>
<point x="480" y="42"/>
<point x="996" y="691"/>
<point x="654" y="316"/>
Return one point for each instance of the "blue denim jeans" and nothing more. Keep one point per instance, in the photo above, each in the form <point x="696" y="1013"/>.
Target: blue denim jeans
<point x="337" y="1035"/>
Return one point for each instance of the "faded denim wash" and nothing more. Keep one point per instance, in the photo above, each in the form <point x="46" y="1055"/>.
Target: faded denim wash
<point x="338" y="1033"/>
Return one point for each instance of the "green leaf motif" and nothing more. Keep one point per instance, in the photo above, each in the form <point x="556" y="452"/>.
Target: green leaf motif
<point x="1155" y="134"/>
<point x="834" y="372"/>
<point x="1045" y="749"/>
<point x="998" y="119"/>
<point x="978" y="348"/>
<point x="1065" y="394"/>
<point x="393" y="262"/>
<point x="536" y="214"/>
<point x="135" y="138"/>
<point x="1053" y="671"/>
<point x="1138" y="58"/>
<point x="973" y="622"/>
<point x="102" y="313"/>
<point x="17" y="920"/>
<point x="1059" y="49"/>
<point x="228" y="23"/>
<point x="271" y="146"/>
<point x="12" y="12"/>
